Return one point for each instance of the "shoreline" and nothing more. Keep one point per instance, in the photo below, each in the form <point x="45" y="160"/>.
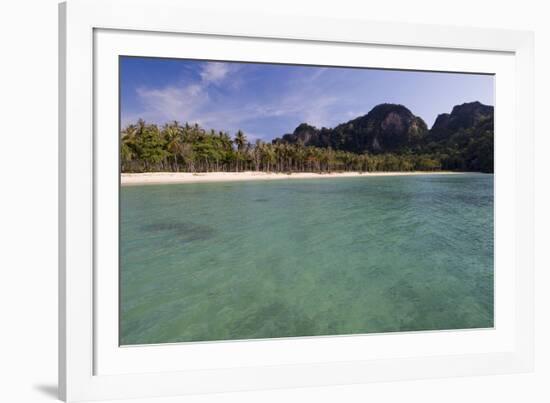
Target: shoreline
<point x="159" y="178"/>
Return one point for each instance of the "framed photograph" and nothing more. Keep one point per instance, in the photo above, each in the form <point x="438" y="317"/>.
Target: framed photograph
<point x="257" y="201"/>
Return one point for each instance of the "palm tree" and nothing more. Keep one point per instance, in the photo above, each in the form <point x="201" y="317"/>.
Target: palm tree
<point x="269" y="156"/>
<point x="152" y="147"/>
<point x="172" y="134"/>
<point x="257" y="153"/>
<point x="128" y="145"/>
<point x="126" y="155"/>
<point x="175" y="148"/>
<point x="145" y="147"/>
<point x="240" y="141"/>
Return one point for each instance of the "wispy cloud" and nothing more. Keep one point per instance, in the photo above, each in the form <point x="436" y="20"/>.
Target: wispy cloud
<point x="171" y="102"/>
<point x="182" y="100"/>
<point x="301" y="99"/>
<point x="215" y="72"/>
<point x="270" y="100"/>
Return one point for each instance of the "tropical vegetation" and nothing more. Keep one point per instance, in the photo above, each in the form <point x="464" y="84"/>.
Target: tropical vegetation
<point x="389" y="138"/>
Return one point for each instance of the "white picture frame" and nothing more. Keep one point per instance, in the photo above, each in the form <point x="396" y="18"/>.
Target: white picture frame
<point x="91" y="364"/>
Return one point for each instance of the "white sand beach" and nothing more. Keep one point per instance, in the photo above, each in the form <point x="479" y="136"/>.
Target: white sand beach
<point x="155" y="178"/>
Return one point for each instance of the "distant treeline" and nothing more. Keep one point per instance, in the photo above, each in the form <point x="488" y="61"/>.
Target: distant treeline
<point x="190" y="148"/>
<point x="388" y="138"/>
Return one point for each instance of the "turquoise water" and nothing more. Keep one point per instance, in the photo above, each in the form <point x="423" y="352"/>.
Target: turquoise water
<point x="266" y="259"/>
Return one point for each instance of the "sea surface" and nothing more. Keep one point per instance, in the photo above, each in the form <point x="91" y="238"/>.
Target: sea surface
<point x="305" y="257"/>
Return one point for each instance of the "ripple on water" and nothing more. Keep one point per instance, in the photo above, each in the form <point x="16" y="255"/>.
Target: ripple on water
<point x="309" y="257"/>
<point x="184" y="231"/>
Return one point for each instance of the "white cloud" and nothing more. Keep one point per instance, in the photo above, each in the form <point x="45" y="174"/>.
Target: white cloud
<point x="214" y="72"/>
<point x="183" y="102"/>
<point x="172" y="102"/>
<point x="304" y="99"/>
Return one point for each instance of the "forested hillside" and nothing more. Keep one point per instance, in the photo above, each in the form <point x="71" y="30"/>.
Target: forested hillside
<point x="388" y="138"/>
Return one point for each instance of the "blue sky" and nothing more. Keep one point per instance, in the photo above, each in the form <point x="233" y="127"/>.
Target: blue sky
<point x="268" y="100"/>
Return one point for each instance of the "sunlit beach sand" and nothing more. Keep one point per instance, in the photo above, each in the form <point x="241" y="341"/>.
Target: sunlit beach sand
<point x="187" y="177"/>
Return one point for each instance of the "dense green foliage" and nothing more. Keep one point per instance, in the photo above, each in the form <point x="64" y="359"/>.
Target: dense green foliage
<point x="389" y="138"/>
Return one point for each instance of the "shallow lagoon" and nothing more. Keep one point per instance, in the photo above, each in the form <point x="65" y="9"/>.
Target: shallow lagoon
<point x="305" y="257"/>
